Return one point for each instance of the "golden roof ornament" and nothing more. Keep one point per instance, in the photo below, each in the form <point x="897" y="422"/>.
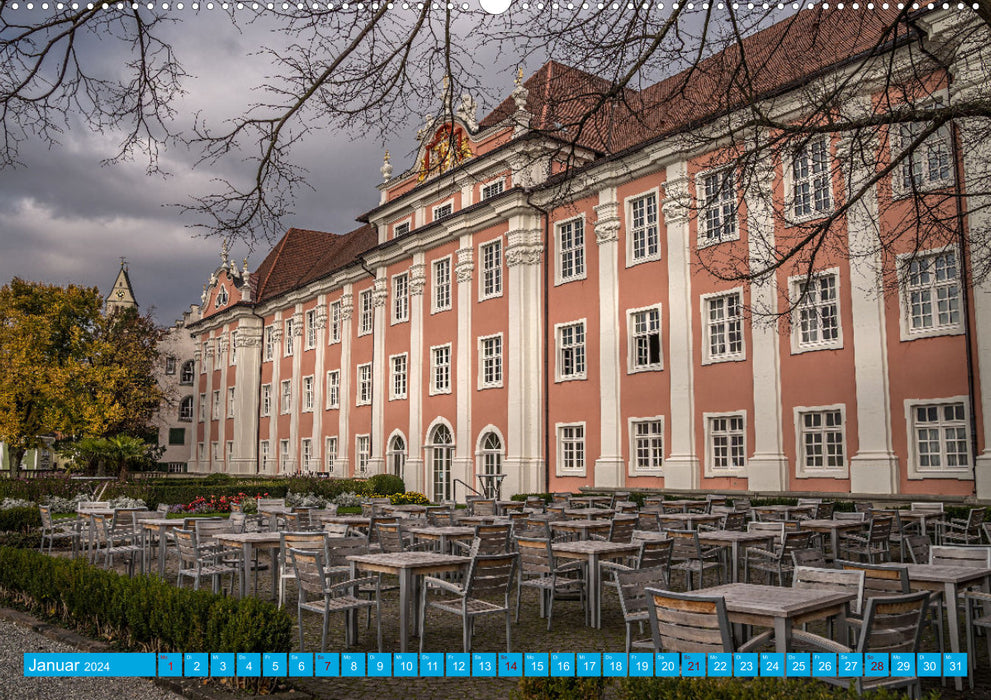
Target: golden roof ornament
<point x="386" y="169"/>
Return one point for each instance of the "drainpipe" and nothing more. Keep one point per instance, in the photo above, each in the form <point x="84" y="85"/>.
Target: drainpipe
<point x="545" y="344"/>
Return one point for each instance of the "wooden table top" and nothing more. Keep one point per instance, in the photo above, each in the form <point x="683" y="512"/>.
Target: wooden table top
<point x="586" y="547"/>
<point x="688" y="517"/>
<point x="774" y="601"/>
<point x="484" y="520"/>
<point x="938" y="573"/>
<point x="818" y="525"/>
<point x="409" y="508"/>
<point x="422" y="562"/>
<point x="249" y="537"/>
<point x="443" y="531"/>
<point x="579" y="524"/>
<point x="730" y="536"/>
<point x="158" y="523"/>
<point x="347" y="519"/>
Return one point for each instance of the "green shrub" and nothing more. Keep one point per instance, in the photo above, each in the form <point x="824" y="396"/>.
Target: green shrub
<point x="741" y="689"/>
<point x="560" y="689"/>
<point x="20" y="519"/>
<point x="414" y="498"/>
<point x="386" y="484"/>
<point x="140" y="612"/>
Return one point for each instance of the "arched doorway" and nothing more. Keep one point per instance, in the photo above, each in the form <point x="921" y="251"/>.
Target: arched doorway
<point x="441" y="455"/>
<point x="396" y="455"/>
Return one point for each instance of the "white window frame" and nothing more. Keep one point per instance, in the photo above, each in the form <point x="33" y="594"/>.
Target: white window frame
<point x="269" y="343"/>
<point x="170" y="364"/>
<point x="904" y="304"/>
<point x="442" y="205"/>
<point x="492" y="188"/>
<point x="290" y="343"/>
<point x="400" y="298"/>
<point x="334" y="388"/>
<point x="633" y="467"/>
<point x="435" y="287"/>
<point x="215" y="413"/>
<point x="232" y="360"/>
<point x="559" y="376"/>
<point x="491" y="274"/>
<point x="964" y="473"/>
<point x="705" y="203"/>
<point x="707" y="357"/>
<point x="229" y="452"/>
<point x="266" y="402"/>
<point x="362" y="453"/>
<point x="631" y="257"/>
<point x="559" y="468"/>
<point x="334" y="336"/>
<point x="397" y="226"/>
<point x="710" y="469"/>
<point x="203" y="414"/>
<point x="366" y="312"/>
<point x="215" y="451"/>
<point x="898" y="142"/>
<point x="631" y="354"/>
<point x="285" y="398"/>
<point x="264" y="454"/>
<point x="435" y="387"/>
<point x="802" y="471"/>
<point x="311" y="329"/>
<point x="496" y="359"/>
<point x="305" y="453"/>
<point x="791" y="182"/>
<point x="186" y="414"/>
<point x="230" y="402"/>
<point x="363" y="387"/>
<point x="284" y="455"/>
<point x="577" y="251"/>
<point x="204" y="356"/>
<point x="795" y="285"/>
<point x="308" y="393"/>
<point x="398" y="380"/>
<point x="330" y="454"/>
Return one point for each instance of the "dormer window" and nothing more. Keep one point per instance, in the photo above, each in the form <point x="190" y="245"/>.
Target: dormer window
<point x="492" y="189"/>
<point x="222" y="298"/>
<point x="443" y="211"/>
<point x="400" y="229"/>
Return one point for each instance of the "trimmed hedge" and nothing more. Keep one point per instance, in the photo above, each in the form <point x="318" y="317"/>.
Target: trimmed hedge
<point x="20" y="519"/>
<point x="142" y="612"/>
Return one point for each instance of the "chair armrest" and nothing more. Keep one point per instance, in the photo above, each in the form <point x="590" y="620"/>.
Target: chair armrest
<point x="431" y="582"/>
<point x="759" y="553"/>
<point x="457" y="544"/>
<point x="614" y="566"/>
<point x="569" y="567"/>
<point x="352" y="583"/>
<point x="756" y="641"/>
<point x="818" y="642"/>
<point x="978" y="596"/>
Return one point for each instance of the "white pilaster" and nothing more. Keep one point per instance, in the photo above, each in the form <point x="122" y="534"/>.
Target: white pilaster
<point x="223" y="362"/>
<point x="208" y="463"/>
<point x="609" y="467"/>
<point x="345" y="397"/>
<point x="246" y="395"/>
<point x="275" y="406"/>
<point x="414" y="477"/>
<point x="681" y="468"/>
<point x="380" y="295"/>
<point x="295" y="453"/>
<point x="319" y="384"/>
<point x="464" y="446"/>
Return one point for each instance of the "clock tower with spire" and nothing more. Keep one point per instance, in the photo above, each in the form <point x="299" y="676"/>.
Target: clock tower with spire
<point x="122" y="294"/>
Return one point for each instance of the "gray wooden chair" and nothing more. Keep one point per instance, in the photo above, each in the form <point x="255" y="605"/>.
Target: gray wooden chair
<point x="631" y="585"/>
<point x="113" y="541"/>
<point x="485" y="591"/>
<point x="812" y="557"/>
<point x="874" y="546"/>
<point x="777" y="561"/>
<point x="53" y="532"/>
<point x="825" y="579"/>
<point x="197" y="563"/>
<point x="689" y="556"/>
<point x="688" y="622"/>
<point x="918" y="547"/>
<point x="489" y="539"/>
<point x="962" y="530"/>
<point x="539" y="570"/>
<point x="307" y="541"/>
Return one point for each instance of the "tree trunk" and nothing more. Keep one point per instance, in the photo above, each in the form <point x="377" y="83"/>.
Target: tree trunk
<point x="15" y="455"/>
<point x="101" y="467"/>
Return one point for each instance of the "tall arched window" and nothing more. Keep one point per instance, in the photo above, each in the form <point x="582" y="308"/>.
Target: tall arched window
<point x="186" y="408"/>
<point x="397" y="455"/>
<point x="491" y="454"/>
<point x="187" y="372"/>
<point x="441" y="448"/>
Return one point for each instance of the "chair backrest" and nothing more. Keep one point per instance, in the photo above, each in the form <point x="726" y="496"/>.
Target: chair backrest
<point x="308" y="566"/>
<point x="880" y="529"/>
<point x="561" y="497"/>
<point x="647" y="521"/>
<point x="667" y="508"/>
<point x="811" y="557"/>
<point x="207" y="530"/>
<point x="769" y="515"/>
<point x="975" y="555"/>
<point x="824" y="511"/>
<point x="336" y="529"/>
<point x="879" y="580"/>
<point x="737" y="520"/>
<point x="338" y="549"/>
<point x="809" y="501"/>
<point x="46" y="517"/>
<point x="655" y="554"/>
<point x="238" y="521"/>
<point x="271" y="502"/>
<point x="482" y="506"/>
<point x="975" y="519"/>
<point x="742" y="504"/>
<point x="685" y="545"/>
<point x="666" y="524"/>
<point x="390" y="536"/>
<point x="185" y="541"/>
<point x="622" y="528"/>
<point x="918" y="548"/>
<point x="822" y="578"/>
<point x="163" y="508"/>
<point x="535" y="502"/>
<point x="86" y="506"/>
<point x="894" y="624"/>
<point x="535" y="555"/>
<point x="138" y="515"/>
<point x="859" y="516"/>
<point x="632" y="584"/>
<point x="440" y="517"/>
<point x="934" y="506"/>
<point x="512" y="507"/>
<point x="681" y="622"/>
<point x="801" y="539"/>
<point x="777" y="530"/>
<point x="490" y="575"/>
<point x="987" y="531"/>
<point x="895" y="526"/>
<point x="863" y="507"/>
<point x="492" y="539"/>
<point x="309" y="541"/>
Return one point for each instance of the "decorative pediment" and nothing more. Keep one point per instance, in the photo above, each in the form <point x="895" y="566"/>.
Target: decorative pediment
<point x="447" y="148"/>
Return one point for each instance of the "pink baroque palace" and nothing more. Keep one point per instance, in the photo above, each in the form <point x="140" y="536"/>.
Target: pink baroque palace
<point x="539" y="300"/>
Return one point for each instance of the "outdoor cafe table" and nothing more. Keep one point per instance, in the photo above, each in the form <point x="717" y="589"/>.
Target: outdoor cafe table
<point x="443" y="534"/>
<point x="780" y="608"/>
<point x="580" y="526"/>
<point x="409" y="508"/>
<point x="161" y="526"/>
<point x="589" y="501"/>
<point x="588" y="513"/>
<point x="833" y="527"/>
<point x="690" y="521"/>
<point x="594" y="551"/>
<point x="920" y="516"/>
<point x="684" y="504"/>
<point x="258" y="540"/>
<point x="717" y="538"/>
<point x="409" y="566"/>
<point x="484" y="520"/>
<point x="502" y="507"/>
<point x="352" y="520"/>
<point x="273" y="513"/>
<point x="788" y="511"/>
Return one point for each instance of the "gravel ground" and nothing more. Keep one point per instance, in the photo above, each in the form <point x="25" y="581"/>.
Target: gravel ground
<point x="15" y="640"/>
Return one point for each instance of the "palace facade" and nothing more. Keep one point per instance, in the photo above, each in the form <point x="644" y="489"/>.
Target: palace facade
<point x="507" y="309"/>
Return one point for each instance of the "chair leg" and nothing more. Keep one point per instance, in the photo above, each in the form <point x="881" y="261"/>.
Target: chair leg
<point x="550" y="608"/>
<point x="326" y="623"/>
<point x="509" y="634"/>
<point x="423" y="616"/>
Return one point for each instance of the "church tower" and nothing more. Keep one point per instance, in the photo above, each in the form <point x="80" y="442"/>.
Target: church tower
<point x="121" y="296"/>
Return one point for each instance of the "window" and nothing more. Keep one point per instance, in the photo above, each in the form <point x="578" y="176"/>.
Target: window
<point x="939" y="433"/>
<point x="311" y="329"/>
<point x="335" y="322"/>
<point x="289" y="338"/>
<point x="308" y="393"/>
<point x="215" y="451"/>
<point x="491" y="454"/>
<point x="187" y="372"/>
<point x="266" y="399"/>
<point x="363" y="452"/>
<point x="177" y="436"/>
<point x="216" y="405"/>
<point x="571" y="247"/>
<point x="284" y="455"/>
<point x="647" y="444"/>
<point x="644" y="238"/>
<point x="366" y="314"/>
<point x="490" y="359"/>
<point x="170" y="365"/>
<point x="396" y="456"/>
<point x="571" y="351"/>
<point x="230" y="451"/>
<point x="812" y="180"/>
<point x="286" y="405"/>
<point x="269" y="342"/>
<point x="400" y="229"/>
<point x="725" y="441"/>
<point x="440" y="369"/>
<point x="234" y="347"/>
<point x="205" y="356"/>
<point x="442" y="284"/>
<point x="331" y="453"/>
<point x="364" y="395"/>
<point x="201" y="451"/>
<point x="443" y="211"/>
<point x="265" y="453"/>
<point x="723" y="322"/>
<point x="645" y="340"/>
<point x="306" y="450"/>
<point x="718" y="215"/>
<point x="202" y="407"/>
<point x="334" y="388"/>
<point x="397" y="387"/>
<point x="186" y="408"/>
<point x="441" y="446"/>
<point x="491" y="280"/>
<point x="931" y="297"/>
<point x="571" y="448"/>
<point x="230" y="402"/>
<point x="492" y="189"/>
<point x="928" y="166"/>
<point x="818" y="313"/>
<point x="400" y="298"/>
<point x="820" y="440"/>
<point x="222" y="297"/>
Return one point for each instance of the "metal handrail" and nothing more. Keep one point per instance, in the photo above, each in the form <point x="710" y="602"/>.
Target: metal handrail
<point x="467" y="486"/>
